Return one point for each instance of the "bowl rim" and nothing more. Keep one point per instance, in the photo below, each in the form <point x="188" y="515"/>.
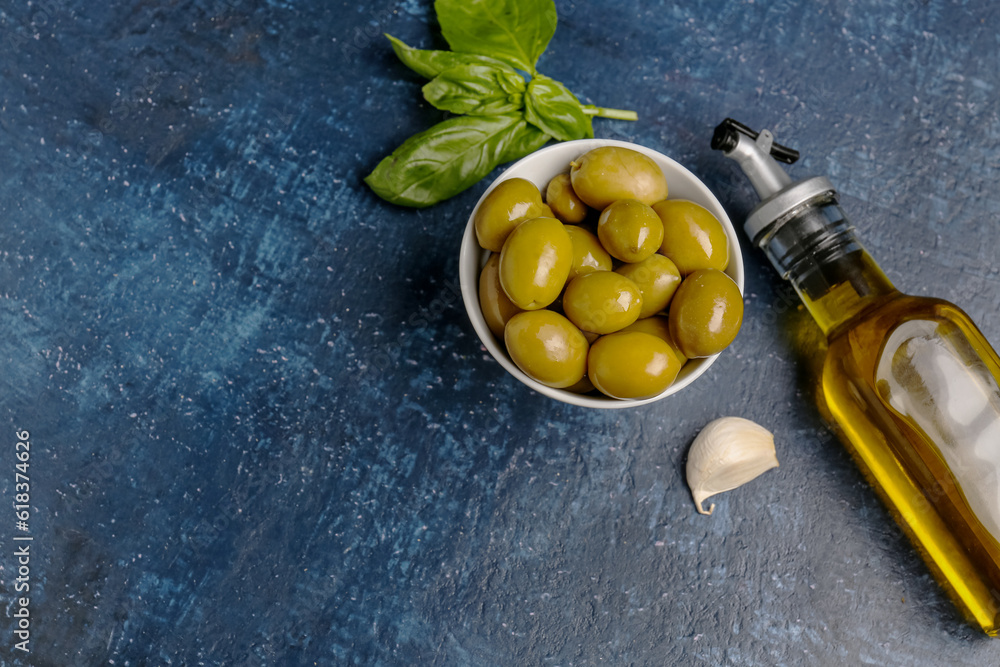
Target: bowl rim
<point x="472" y="258"/>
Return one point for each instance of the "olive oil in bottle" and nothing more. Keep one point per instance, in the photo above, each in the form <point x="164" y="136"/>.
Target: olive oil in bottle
<point x="911" y="384"/>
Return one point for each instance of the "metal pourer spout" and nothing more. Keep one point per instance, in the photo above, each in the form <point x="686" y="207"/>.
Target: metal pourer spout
<point x="753" y="151"/>
<point x="758" y="155"/>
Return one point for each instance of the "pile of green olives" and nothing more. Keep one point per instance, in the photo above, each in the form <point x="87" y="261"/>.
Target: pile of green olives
<point x="601" y="282"/>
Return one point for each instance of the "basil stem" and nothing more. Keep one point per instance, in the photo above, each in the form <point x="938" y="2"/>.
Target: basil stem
<point x="614" y="114"/>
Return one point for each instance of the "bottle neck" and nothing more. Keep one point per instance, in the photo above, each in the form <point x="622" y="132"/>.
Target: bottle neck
<point x="814" y="248"/>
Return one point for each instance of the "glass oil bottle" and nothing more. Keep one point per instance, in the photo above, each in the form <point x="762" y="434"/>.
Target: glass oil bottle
<point x="911" y="384"/>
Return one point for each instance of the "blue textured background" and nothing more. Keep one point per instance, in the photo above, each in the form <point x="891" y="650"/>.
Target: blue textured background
<point x="264" y="432"/>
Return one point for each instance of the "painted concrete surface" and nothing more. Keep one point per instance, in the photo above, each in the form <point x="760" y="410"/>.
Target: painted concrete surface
<point x="263" y="431"/>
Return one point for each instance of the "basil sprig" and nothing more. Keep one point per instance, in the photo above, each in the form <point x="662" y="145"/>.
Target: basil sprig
<point x="501" y="115"/>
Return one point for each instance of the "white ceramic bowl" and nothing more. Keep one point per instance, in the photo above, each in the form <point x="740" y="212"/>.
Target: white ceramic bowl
<point x="539" y="168"/>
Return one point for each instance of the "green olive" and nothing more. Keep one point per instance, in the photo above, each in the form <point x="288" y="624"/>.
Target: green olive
<point x="496" y="305"/>
<point x="584" y="386"/>
<point x="507" y="205"/>
<point x="547" y="347"/>
<point x="606" y="174"/>
<point x="602" y="302"/>
<point x="564" y="202"/>
<point x="588" y="253"/>
<point x="659" y="326"/>
<point x="631" y="364"/>
<point x="705" y="313"/>
<point x="630" y="230"/>
<point x="657" y="278"/>
<point x="535" y="262"/>
<point x="692" y="237"/>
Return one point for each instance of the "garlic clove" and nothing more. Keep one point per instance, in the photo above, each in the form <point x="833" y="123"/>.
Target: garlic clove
<point x="728" y="452"/>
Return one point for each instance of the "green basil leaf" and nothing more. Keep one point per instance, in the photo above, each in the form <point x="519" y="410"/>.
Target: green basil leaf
<point x="551" y="107"/>
<point x="477" y="90"/>
<point x="445" y="159"/>
<point x="515" y="31"/>
<point x="527" y="139"/>
<point x="429" y="63"/>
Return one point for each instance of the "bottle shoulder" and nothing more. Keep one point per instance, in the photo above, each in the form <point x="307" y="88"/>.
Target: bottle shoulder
<point x="865" y="335"/>
<point x="898" y="308"/>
